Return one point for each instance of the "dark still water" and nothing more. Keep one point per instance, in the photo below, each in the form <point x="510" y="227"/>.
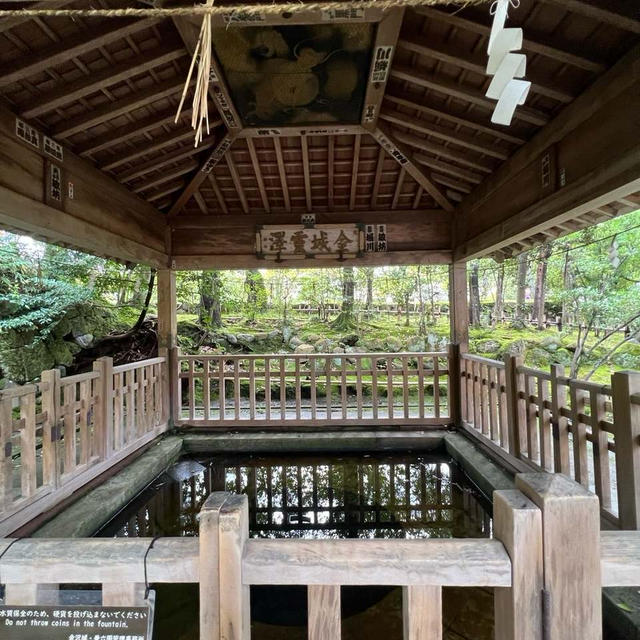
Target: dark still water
<point x="363" y="496"/>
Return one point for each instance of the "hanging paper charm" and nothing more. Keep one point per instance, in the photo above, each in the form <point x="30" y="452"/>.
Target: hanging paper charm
<point x="505" y="66"/>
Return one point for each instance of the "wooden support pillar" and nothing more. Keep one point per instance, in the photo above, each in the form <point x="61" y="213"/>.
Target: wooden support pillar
<point x="571" y="555"/>
<point x="422" y="612"/>
<point x="515" y="405"/>
<point x="167" y="339"/>
<point x="104" y="417"/>
<point x="324" y="612"/>
<point x="224" y="600"/>
<point x="626" y="418"/>
<point x="518" y="525"/>
<point x="458" y="305"/>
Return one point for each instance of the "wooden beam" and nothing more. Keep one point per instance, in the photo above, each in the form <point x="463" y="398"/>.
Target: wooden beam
<point x="112" y="110"/>
<point x="130" y="130"/>
<point x="442" y="133"/>
<point x="258" y="173"/>
<point x="458" y="305"/>
<point x="468" y="94"/>
<point x="70" y="47"/>
<point x="210" y="162"/>
<point x="320" y="130"/>
<point x="157" y="144"/>
<point x="96" y="81"/>
<point x="11" y="23"/>
<point x="468" y="120"/>
<point x="383" y="49"/>
<point x="405" y="158"/>
<point x="377" y="178"/>
<point x="283" y="173"/>
<point x="162" y="161"/>
<point x="305" y="170"/>
<point x="532" y="42"/>
<point x="398" y="190"/>
<point x="599" y="14"/>
<point x="467" y="60"/>
<point x="202" y="205"/>
<point x="354" y="171"/>
<point x="459" y="172"/>
<point x="218" y="193"/>
<point x="166" y="176"/>
<point x="161" y="193"/>
<point x="330" y="169"/>
<point x="237" y="182"/>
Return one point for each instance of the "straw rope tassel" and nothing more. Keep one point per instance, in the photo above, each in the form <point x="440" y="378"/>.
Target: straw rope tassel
<point x="201" y="56"/>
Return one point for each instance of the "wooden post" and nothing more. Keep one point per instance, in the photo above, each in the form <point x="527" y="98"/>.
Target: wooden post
<point x="571" y="555"/>
<point x="518" y="525"/>
<point x="422" y="612"/>
<point x="626" y="418"/>
<point x="50" y="380"/>
<point x="224" y="600"/>
<point x="104" y="419"/>
<point x="167" y="338"/>
<point x="559" y="422"/>
<point x="324" y="612"/>
<point x="455" y="384"/>
<point x="458" y="306"/>
<point x="515" y="410"/>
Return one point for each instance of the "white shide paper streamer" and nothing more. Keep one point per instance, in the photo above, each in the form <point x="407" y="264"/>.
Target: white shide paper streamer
<point x="505" y="66"/>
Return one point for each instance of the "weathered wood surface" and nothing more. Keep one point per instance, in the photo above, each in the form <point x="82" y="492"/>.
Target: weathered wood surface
<point x="620" y="558"/>
<point x="324" y="620"/>
<point x="463" y="562"/>
<point x="422" y="612"/>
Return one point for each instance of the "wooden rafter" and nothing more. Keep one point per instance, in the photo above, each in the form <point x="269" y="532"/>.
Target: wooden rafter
<point x="72" y="91"/>
<point x="354" y="171"/>
<point x="378" y="177"/>
<point x="470" y="62"/>
<point x="474" y="96"/>
<point x="531" y="42"/>
<point x="112" y="110"/>
<point x="202" y="205"/>
<point x="237" y="183"/>
<point x="459" y="172"/>
<point x="283" y="173"/>
<point x="442" y="133"/>
<point x="398" y="190"/>
<point x="169" y="189"/>
<point x="10" y="23"/>
<point x="467" y="121"/>
<point x="404" y="157"/>
<point x="164" y="160"/>
<point x="258" y="173"/>
<point x="70" y="47"/>
<point x="591" y="10"/>
<point x="216" y="190"/>
<point x="305" y="170"/>
<point x="386" y="36"/>
<point x="330" y="169"/>
<point x="166" y="176"/>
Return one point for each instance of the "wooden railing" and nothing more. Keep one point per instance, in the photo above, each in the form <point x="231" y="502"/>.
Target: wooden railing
<point x="312" y="389"/>
<point x="62" y="432"/>
<point x="523" y="560"/>
<point x="553" y="423"/>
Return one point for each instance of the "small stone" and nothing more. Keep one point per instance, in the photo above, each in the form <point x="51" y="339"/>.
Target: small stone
<point x="304" y="348"/>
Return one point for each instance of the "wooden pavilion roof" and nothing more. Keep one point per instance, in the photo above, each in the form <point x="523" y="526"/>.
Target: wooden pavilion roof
<point x="107" y="89"/>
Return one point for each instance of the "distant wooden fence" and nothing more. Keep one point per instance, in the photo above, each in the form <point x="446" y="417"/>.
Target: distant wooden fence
<point x="312" y="389"/>
<point x="588" y="431"/>
<point x="60" y="433"/>
<point x="523" y="560"/>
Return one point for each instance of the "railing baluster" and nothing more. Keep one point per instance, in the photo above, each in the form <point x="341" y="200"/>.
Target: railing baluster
<point x="358" y="360"/>
<point x="222" y="391"/>
<point x="492" y="386"/>
<point x="559" y="422"/>
<point x="140" y="415"/>
<point x="343" y="386"/>
<point x="28" y="444"/>
<point x="206" y="388"/>
<point x="283" y="389"/>
<point x="579" y="432"/>
<point x="328" y="365"/>
<point x="533" y="450"/>
<point x="267" y="388"/>
<point x="69" y="412"/>
<point x="421" y="387"/>
<point x="601" y="469"/>
<point x="324" y="612"/>
<point x="236" y="387"/>
<point x="297" y="389"/>
<point x="312" y="384"/>
<point x="252" y="389"/>
<point x="544" y="426"/>
<point x="85" y="389"/>
<point x="484" y="399"/>
<point x="130" y="406"/>
<point x="118" y="411"/>
<point x="374" y="386"/>
<point x="502" y="399"/>
<point x="422" y="612"/>
<point x="405" y="385"/>
<point x="436" y="385"/>
<point x="390" y="387"/>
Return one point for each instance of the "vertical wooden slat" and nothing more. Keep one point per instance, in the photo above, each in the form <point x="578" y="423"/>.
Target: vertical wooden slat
<point x="158" y="410"/>
<point x="283" y="389"/>
<point x="544" y="426"/>
<point x="328" y="365"/>
<point x="312" y="385"/>
<point x="390" y="387"/>
<point x="579" y="432"/>
<point x="148" y="398"/>
<point x="69" y="412"/>
<point x="422" y="612"/>
<point x="267" y="388"/>
<point x="118" y="410"/>
<point x="503" y="409"/>
<point x="421" y="387"/>
<point x="492" y="384"/>
<point x="405" y="385"/>
<point x="560" y="423"/>
<point x="343" y="386"/>
<point x="222" y="391"/>
<point x="6" y="464"/>
<point x="436" y="386"/>
<point x="477" y="397"/>
<point x="51" y="380"/>
<point x="601" y="470"/>
<point x="236" y="387"/>
<point x="298" y="389"/>
<point x="463" y="390"/>
<point x="206" y="387"/>
<point x="252" y="389"/>
<point x="140" y="408"/>
<point x="130" y="405"/>
<point x="324" y="612"/>
<point x="359" y="385"/>
<point x="483" y="370"/>
<point x="83" y="422"/>
<point x="515" y="414"/>
<point x="28" y="444"/>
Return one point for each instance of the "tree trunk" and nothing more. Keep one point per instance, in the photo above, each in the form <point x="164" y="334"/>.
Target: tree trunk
<point x="567" y="281"/>
<point x="406" y="309"/>
<point x="256" y="293"/>
<point x="345" y="320"/>
<point x="498" y="307"/>
<point x="369" y="300"/>
<point x="422" y="327"/>
<point x="210" y="304"/>
<point x="541" y="277"/>
<point x="521" y="285"/>
<point x="474" y="295"/>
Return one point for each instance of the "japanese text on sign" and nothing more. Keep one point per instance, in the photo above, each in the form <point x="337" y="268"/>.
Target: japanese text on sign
<point x="298" y="241"/>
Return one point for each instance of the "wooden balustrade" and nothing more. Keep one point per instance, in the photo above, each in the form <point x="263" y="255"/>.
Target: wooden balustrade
<point x="313" y="389"/>
<point x="530" y="553"/>
<point x="553" y="423"/>
<point x="62" y="432"/>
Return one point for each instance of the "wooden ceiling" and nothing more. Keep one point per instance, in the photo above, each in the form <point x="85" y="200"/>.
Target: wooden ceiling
<point x="108" y="90"/>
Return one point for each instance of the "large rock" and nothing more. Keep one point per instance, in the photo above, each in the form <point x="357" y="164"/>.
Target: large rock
<point x="515" y="348"/>
<point x="350" y="340"/>
<point x="487" y="346"/>
<point x="295" y="342"/>
<point x="415" y="344"/>
<point x="550" y="343"/>
<point x="230" y="338"/>
<point x="245" y="338"/>
<point x="325" y="345"/>
<point x="393" y="344"/>
<point x="83" y="340"/>
<point x="518" y="325"/>
<point x="287" y="333"/>
<point x="276" y="333"/>
<point x="304" y="348"/>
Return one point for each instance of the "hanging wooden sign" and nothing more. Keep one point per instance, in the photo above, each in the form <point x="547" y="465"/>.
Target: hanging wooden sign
<point x="298" y="242"/>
